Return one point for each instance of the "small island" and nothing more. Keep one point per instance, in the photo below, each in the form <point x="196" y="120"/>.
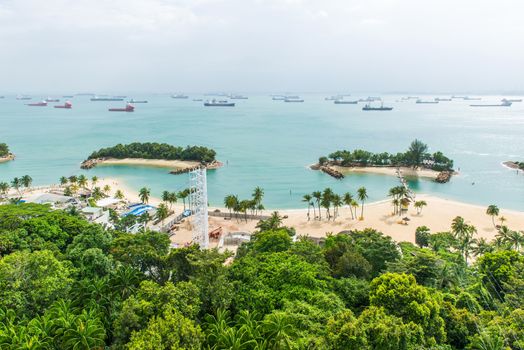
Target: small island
<point x="514" y="165"/>
<point x="5" y="154"/>
<point x="179" y="159"/>
<point x="416" y="161"/>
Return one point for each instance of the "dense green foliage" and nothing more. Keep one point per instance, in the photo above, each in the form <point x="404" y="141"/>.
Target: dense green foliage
<point x="415" y="156"/>
<point x="154" y="150"/>
<point x="69" y="284"/>
<point x="4" y="150"/>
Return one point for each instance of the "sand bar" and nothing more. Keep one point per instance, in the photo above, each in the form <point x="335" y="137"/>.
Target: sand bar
<point x="391" y="171"/>
<point x="161" y="163"/>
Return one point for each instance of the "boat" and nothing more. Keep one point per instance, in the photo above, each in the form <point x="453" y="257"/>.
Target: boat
<point x="137" y="101"/>
<point x="219" y="103"/>
<point x="293" y="99"/>
<point x="107" y="99"/>
<point x="439" y="99"/>
<point x="511" y="100"/>
<point x="66" y="105"/>
<point x="129" y="108"/>
<point x="368" y="107"/>
<point x="38" y="104"/>
<point x="52" y="100"/>
<point x="238" y="97"/>
<point x="503" y="104"/>
<point x="459" y="97"/>
<point x="345" y="102"/>
<point x="179" y="96"/>
<point x="426" y="102"/>
<point x="19" y="97"/>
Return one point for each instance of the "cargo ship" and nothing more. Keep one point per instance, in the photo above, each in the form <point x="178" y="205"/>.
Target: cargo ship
<point x="52" y="100"/>
<point x="38" y="104"/>
<point x="511" y="100"/>
<point x="66" y="105"/>
<point x="345" y="102"/>
<point x="137" y="101"/>
<point x="179" y="96"/>
<point x="219" y="103"/>
<point x="467" y="98"/>
<point x="439" y="99"/>
<point x="19" y="97"/>
<point x="68" y="96"/>
<point x="107" y="99"/>
<point x="278" y="97"/>
<point x="238" y="97"/>
<point x="427" y="102"/>
<point x="334" y="98"/>
<point x="368" y="107"/>
<point x="503" y="104"/>
<point x="293" y="99"/>
<point x="129" y="108"/>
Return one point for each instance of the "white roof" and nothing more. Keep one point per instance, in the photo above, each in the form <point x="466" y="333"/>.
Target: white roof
<point x="107" y="202"/>
<point x="48" y="198"/>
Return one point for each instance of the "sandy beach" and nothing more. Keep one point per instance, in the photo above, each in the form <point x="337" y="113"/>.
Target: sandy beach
<point x="391" y="171"/>
<point x="160" y="163"/>
<point x="437" y="215"/>
<point x="7" y="158"/>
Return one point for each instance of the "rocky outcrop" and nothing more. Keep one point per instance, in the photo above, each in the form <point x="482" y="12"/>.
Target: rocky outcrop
<point x="213" y="165"/>
<point x="7" y="158"/>
<point x="90" y="163"/>
<point x="332" y="172"/>
<point x="444" y="176"/>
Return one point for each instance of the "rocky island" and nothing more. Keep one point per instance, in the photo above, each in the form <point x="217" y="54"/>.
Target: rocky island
<point x="416" y="162"/>
<point x="5" y="154"/>
<point x="179" y="159"/>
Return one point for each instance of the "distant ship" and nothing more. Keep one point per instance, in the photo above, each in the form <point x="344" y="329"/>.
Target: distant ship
<point x="368" y="107"/>
<point x="179" y="96"/>
<point x="426" y="102"/>
<point x="52" y="100"/>
<point x="38" y="104"/>
<point x="2" y="96"/>
<point x="129" y="108"/>
<point x="511" y="100"/>
<point x="198" y="100"/>
<point x="137" y="101"/>
<point x="238" y="97"/>
<point x="345" y="102"/>
<point x="107" y="99"/>
<point x="19" y="97"/>
<point x="219" y="103"/>
<point x="279" y="97"/>
<point x="467" y="98"/>
<point x="68" y="96"/>
<point x="120" y="96"/>
<point x="334" y="98"/>
<point x="503" y="104"/>
<point x="293" y="99"/>
<point x="439" y="99"/>
<point x="66" y="105"/>
<point x="370" y="99"/>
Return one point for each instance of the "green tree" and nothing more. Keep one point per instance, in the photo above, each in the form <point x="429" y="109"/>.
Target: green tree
<point x="362" y="196"/>
<point x="422" y="235"/>
<point x="493" y="211"/>
<point x="162" y="212"/>
<point x="144" y="194"/>
<point x="307" y="199"/>
<point x="419" y="205"/>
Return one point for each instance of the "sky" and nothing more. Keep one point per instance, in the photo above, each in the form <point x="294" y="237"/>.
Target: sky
<point x="261" y="45"/>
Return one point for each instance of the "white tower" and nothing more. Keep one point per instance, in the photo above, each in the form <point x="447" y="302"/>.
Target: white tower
<point x="198" y="206"/>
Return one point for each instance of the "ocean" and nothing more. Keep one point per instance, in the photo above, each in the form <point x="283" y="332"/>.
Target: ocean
<point x="270" y="144"/>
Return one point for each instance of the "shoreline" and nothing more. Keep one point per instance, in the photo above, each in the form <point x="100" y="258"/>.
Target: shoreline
<point x="177" y="166"/>
<point x="511" y="165"/>
<point x="7" y="158"/>
<point x="390" y="171"/>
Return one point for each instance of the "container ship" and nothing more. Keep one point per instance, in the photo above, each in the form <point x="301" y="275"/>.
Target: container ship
<point x="503" y="104"/>
<point x="220" y="103"/>
<point x="511" y="100"/>
<point x="345" y="102"/>
<point x="66" y="105"/>
<point x="293" y="99"/>
<point x="128" y="108"/>
<point x="440" y="99"/>
<point x="38" y="104"/>
<point x="52" y="100"/>
<point x="23" y="98"/>
<point x="278" y="97"/>
<point x="368" y="107"/>
<point x="427" y="102"/>
<point x="238" y="97"/>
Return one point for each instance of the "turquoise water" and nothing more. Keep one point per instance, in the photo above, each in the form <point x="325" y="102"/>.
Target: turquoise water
<point x="270" y="143"/>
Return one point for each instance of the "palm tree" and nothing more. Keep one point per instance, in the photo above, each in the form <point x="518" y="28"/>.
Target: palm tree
<point x="464" y="234"/>
<point x="362" y="196"/>
<point x="502" y="220"/>
<point x="416" y="153"/>
<point x="183" y="195"/>
<point x="82" y="181"/>
<point x="144" y="194"/>
<point x="488" y="341"/>
<point x="4" y="188"/>
<point x="94" y="181"/>
<point x="419" y="205"/>
<point x="85" y="333"/>
<point x="107" y="189"/>
<point x="278" y="330"/>
<point x="230" y="202"/>
<point x="348" y="198"/>
<point x="258" y="194"/>
<point x="63" y="181"/>
<point x="354" y="205"/>
<point x="119" y="194"/>
<point x="337" y="203"/>
<point x="307" y="198"/>
<point x="172" y="198"/>
<point x="318" y="197"/>
<point x="162" y="212"/>
<point x="73" y="179"/>
<point x="493" y="211"/>
<point x="16" y="184"/>
<point x="481" y="246"/>
<point x="96" y="194"/>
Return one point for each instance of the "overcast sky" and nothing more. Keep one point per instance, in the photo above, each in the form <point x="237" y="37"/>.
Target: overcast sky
<point x="261" y="45"/>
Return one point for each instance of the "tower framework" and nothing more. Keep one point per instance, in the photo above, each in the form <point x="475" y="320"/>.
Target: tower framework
<point x="198" y="206"/>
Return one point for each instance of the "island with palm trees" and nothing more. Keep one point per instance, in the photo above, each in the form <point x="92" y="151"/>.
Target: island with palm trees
<point x="416" y="161"/>
<point x="5" y="153"/>
<point x="154" y="154"/>
<point x="514" y="165"/>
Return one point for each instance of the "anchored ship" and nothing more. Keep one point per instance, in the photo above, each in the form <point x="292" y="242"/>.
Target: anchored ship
<point x="219" y="103"/>
<point x="107" y="99"/>
<point x="66" y="105"/>
<point x="345" y="102"/>
<point x="38" y="104"/>
<point x="137" y="101"/>
<point x="293" y="99"/>
<point x="129" y="108"/>
<point x="179" y="96"/>
<point x="368" y="107"/>
<point x="427" y="102"/>
<point x="503" y="104"/>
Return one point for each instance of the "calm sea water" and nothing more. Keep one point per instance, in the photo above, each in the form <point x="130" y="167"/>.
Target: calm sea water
<point x="270" y="144"/>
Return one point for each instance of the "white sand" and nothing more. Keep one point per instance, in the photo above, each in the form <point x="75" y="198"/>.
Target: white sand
<point x="162" y="163"/>
<point x="392" y="171"/>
